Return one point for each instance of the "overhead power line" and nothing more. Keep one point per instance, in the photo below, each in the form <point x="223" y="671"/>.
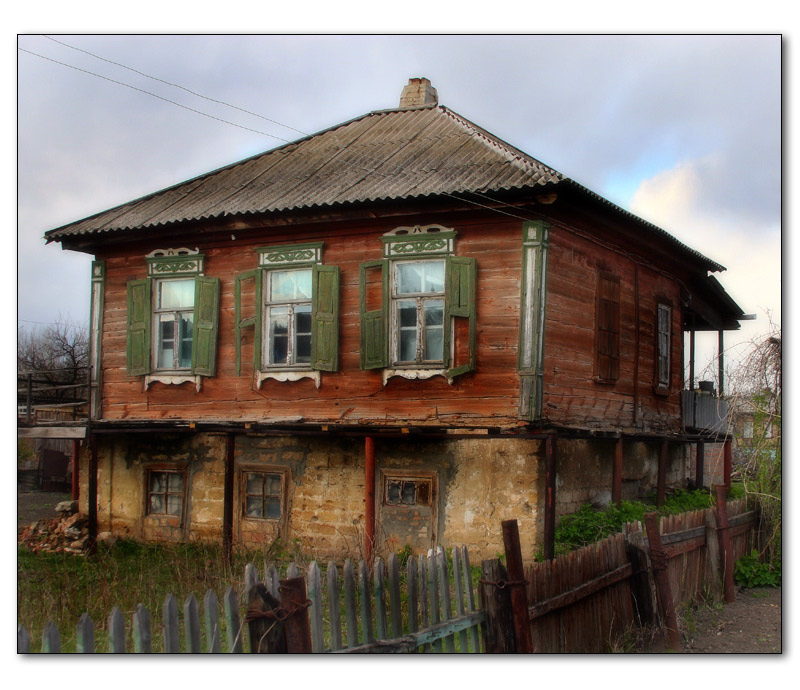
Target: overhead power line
<point x="243" y="110"/>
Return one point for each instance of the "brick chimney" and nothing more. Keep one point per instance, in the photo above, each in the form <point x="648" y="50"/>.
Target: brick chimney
<point x="418" y="92"/>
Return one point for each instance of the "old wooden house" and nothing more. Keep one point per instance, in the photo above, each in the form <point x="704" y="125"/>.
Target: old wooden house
<point x="399" y="330"/>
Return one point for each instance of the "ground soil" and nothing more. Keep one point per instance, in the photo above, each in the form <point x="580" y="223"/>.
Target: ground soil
<point x="35" y="505"/>
<point x="749" y="625"/>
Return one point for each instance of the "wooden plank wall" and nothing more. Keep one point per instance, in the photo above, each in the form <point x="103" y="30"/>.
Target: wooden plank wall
<point x="489" y="396"/>
<point x="572" y="393"/>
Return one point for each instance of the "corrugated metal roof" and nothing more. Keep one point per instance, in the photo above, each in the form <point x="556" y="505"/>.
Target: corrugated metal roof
<point x="384" y="155"/>
<point x="381" y="156"/>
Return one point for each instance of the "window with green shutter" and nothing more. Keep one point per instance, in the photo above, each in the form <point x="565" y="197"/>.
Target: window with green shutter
<point x="173" y="317"/>
<point x="417" y="306"/>
<point x="292" y="304"/>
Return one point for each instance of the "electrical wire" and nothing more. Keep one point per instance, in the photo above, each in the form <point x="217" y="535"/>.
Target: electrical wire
<point x="373" y="171"/>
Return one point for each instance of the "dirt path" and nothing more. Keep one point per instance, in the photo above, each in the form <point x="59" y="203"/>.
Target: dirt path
<point x="749" y="625"/>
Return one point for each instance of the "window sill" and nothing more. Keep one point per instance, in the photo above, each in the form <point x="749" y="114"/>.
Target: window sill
<point x="287" y="375"/>
<point x="415" y="374"/>
<point x="661" y="391"/>
<point x="173" y="380"/>
<point x="605" y="382"/>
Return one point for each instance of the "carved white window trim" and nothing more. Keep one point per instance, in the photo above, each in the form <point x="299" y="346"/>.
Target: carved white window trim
<point x="413" y="374"/>
<point x="287" y="375"/>
<point x="173" y="380"/>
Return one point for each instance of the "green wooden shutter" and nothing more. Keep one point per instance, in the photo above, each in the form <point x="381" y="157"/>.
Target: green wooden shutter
<point x="139" y="317"/>
<point x="374" y="324"/>
<point x="461" y="273"/>
<point x="206" y="321"/>
<point x="253" y="321"/>
<point x="325" y="318"/>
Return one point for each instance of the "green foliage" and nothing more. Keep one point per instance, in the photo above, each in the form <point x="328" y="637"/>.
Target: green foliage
<point x="24" y="450"/>
<point x="589" y="524"/>
<point x="751" y="571"/>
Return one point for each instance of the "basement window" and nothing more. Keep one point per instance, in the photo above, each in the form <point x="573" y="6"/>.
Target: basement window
<point x="262" y="495"/>
<point x="407" y="491"/>
<point x="165" y="492"/>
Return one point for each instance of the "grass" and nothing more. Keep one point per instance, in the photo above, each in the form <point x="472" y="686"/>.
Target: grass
<point x="62" y="586"/>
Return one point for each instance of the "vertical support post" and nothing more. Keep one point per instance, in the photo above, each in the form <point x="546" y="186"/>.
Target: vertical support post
<point x="661" y="488"/>
<point x="658" y="558"/>
<point x="721" y="362"/>
<point x="369" y="496"/>
<point x="700" y="465"/>
<point x="498" y="632"/>
<point x="297" y="625"/>
<point x="636" y="345"/>
<point x="92" y="497"/>
<point x="616" y="476"/>
<point x="227" y="499"/>
<point x="75" y="470"/>
<point x="691" y="356"/>
<point x="28" y="400"/>
<point x="726" y="550"/>
<point x="726" y="464"/>
<point x="519" y="589"/>
<point x="550" y="496"/>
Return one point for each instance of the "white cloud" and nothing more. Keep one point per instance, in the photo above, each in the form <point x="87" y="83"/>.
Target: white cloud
<point x="678" y="201"/>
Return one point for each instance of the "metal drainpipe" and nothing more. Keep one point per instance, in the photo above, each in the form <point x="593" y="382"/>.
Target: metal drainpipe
<point x="369" y="496"/>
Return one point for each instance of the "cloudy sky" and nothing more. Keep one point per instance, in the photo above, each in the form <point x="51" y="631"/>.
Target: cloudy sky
<point x="683" y="130"/>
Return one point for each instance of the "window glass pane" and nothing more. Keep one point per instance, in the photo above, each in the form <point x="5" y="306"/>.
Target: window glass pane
<point x="175" y="482"/>
<point x="434" y="312"/>
<point x="302" y="319"/>
<point x="273" y="484"/>
<point x="279" y="332"/>
<point x="409" y="278"/>
<point x="302" y="352"/>
<point x="434" y="343"/>
<point x="174" y="504"/>
<point x="409" y="493"/>
<point x="423" y="493"/>
<point x="273" y="505"/>
<point x="407" y="346"/>
<point x="158" y="481"/>
<point x="393" y="492"/>
<point x="407" y="313"/>
<point x="166" y="341"/>
<point x="254" y="506"/>
<point x="289" y="285"/>
<point x="156" y="503"/>
<point x="176" y="294"/>
<point x="187" y="328"/>
<point x="434" y="276"/>
<point x="255" y="483"/>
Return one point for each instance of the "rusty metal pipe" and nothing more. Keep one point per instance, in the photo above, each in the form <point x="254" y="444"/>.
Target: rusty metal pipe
<point x="369" y="496"/>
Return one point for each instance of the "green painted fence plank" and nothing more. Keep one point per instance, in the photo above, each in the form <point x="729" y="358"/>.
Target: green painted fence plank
<point x="170" y="620"/>
<point x="334" y="612"/>
<point x="85" y="639"/>
<point x="211" y="618"/>
<point x="350" y="604"/>
<point x="116" y="632"/>
<point x="142" y="641"/>
<point x="233" y="625"/>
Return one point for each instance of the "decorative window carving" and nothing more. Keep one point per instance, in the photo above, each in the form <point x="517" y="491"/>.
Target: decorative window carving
<point x="417" y="307"/>
<point x="292" y="304"/>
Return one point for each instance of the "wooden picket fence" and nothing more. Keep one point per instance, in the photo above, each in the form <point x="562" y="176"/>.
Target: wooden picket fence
<point x="431" y="609"/>
<point x="583" y="602"/>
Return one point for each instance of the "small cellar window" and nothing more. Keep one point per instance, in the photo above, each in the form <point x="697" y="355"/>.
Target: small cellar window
<point x="408" y="491"/>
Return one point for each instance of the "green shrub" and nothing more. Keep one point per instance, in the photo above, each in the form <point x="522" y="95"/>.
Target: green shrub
<point x="751" y="571"/>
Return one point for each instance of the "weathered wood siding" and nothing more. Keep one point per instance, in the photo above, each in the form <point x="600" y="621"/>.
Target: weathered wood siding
<point x="572" y="393"/>
<point x="487" y="396"/>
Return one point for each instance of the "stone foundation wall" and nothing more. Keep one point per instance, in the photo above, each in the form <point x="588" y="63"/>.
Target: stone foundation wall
<point x="449" y="492"/>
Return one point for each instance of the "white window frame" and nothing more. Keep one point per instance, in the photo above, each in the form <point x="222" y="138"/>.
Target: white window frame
<point x="175" y="312"/>
<point x="267" y="337"/>
<point x="420" y="298"/>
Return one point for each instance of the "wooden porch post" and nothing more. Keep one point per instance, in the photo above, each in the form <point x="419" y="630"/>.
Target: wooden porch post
<point x="227" y="499"/>
<point x="721" y="362"/>
<point x="661" y="487"/>
<point x="691" y="355"/>
<point x="616" y="477"/>
<point x="92" y="497"/>
<point x="369" y="496"/>
<point x="550" y="496"/>
<point x="75" y="470"/>
<point x="700" y="464"/>
<point x="726" y="465"/>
